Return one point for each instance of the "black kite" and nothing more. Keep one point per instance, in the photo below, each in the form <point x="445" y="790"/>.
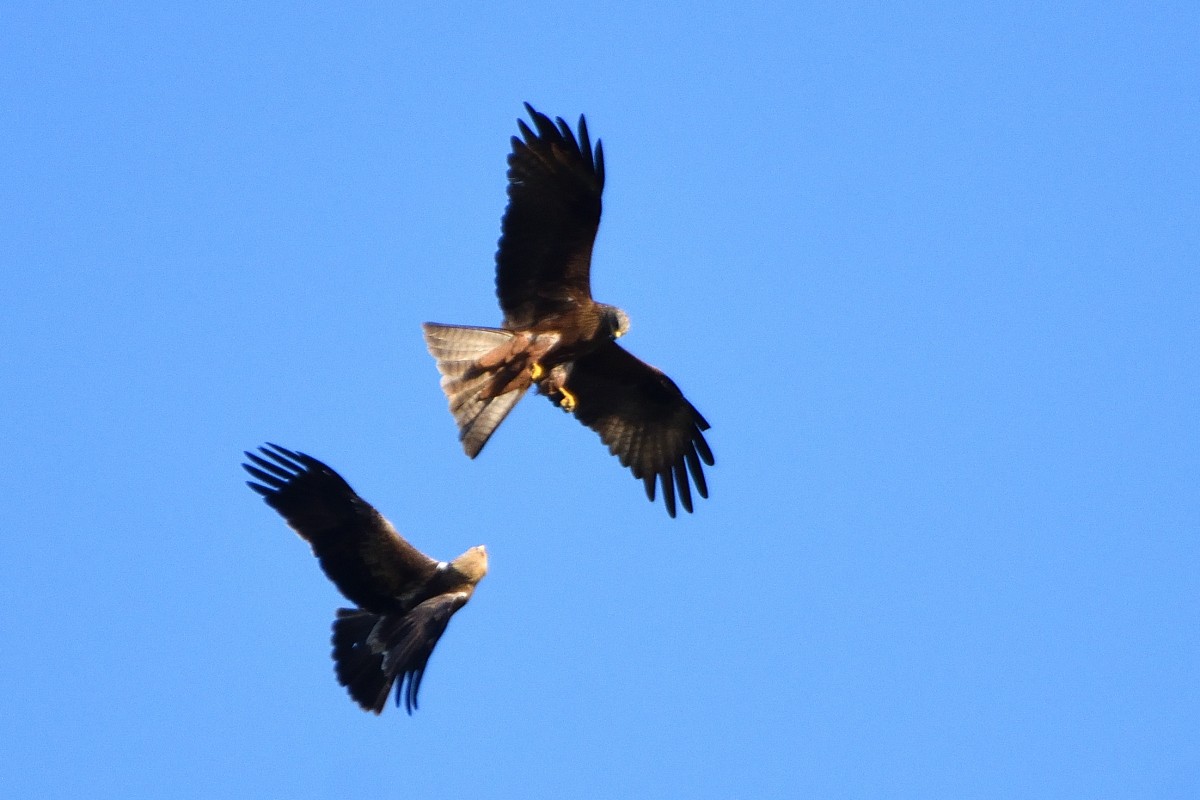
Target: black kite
<point x="405" y="599"/>
<point x="555" y="336"/>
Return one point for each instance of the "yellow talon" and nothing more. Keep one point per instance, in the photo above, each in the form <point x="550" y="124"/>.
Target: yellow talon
<point x="567" y="401"/>
<point x="536" y="372"/>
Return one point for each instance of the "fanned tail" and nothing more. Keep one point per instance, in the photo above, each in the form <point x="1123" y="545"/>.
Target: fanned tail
<point x="359" y="666"/>
<point x="472" y="388"/>
<point x="372" y="652"/>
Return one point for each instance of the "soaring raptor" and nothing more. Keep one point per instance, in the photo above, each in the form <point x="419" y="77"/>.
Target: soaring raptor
<point x="405" y="599"/>
<point x="555" y="336"/>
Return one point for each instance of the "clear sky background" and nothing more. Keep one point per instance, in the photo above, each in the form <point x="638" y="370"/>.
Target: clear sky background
<point x="930" y="271"/>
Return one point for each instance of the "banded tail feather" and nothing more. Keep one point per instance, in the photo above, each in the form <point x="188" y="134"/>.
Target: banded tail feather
<point x="480" y="377"/>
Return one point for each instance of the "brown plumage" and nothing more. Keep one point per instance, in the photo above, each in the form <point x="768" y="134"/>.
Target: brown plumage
<point x="555" y="337"/>
<point x="405" y="598"/>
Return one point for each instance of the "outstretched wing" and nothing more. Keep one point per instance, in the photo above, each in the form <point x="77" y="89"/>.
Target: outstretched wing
<point x="358" y="549"/>
<point x="370" y="652"/>
<point x="644" y="419"/>
<point x="554" y="184"/>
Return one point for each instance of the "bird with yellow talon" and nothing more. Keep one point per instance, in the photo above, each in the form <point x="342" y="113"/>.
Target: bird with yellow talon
<point x="555" y="337"/>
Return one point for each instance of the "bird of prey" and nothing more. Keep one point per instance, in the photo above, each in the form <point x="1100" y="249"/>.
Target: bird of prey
<point x="555" y="337"/>
<point x="405" y="599"/>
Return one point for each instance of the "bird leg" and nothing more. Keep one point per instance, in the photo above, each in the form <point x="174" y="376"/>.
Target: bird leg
<point x="536" y="371"/>
<point x="553" y="384"/>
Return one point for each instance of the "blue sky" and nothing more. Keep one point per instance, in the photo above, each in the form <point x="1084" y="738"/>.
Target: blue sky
<point x="929" y="270"/>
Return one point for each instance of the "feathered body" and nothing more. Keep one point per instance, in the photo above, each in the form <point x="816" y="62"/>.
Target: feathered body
<point x="405" y="599"/>
<point x="555" y="337"/>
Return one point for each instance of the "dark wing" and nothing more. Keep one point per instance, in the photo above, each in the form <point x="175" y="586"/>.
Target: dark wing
<point x="358" y="549"/>
<point x="644" y="419"/>
<point x="554" y="185"/>
<point x="370" y="651"/>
